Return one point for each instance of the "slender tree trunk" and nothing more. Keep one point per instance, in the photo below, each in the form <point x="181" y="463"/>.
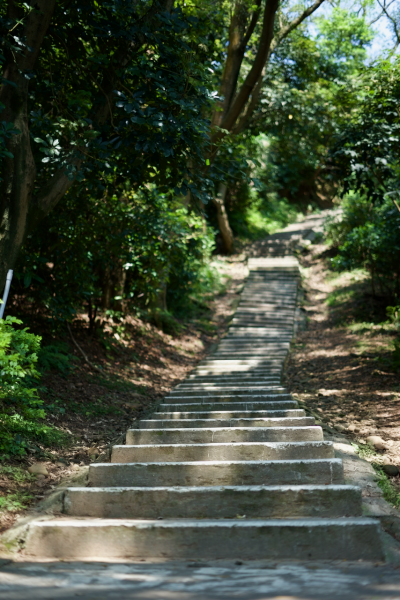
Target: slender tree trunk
<point x="235" y="109"/>
<point x="223" y="221"/>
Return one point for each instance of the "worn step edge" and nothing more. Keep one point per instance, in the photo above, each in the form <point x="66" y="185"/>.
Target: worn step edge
<point x="102" y="539"/>
<point x="229" y="472"/>
<point x="262" y="501"/>
<point x="222" y="451"/>
<point x="238" y="405"/>
<point x="232" y="435"/>
<point x="234" y="414"/>
<point x="228" y="422"/>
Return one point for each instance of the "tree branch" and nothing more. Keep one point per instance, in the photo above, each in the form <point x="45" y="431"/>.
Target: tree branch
<point x="49" y="196"/>
<point x="384" y="8"/>
<point x="281" y="35"/>
<point x="253" y="23"/>
<point x="238" y="104"/>
<point x="284" y="31"/>
<point x="238" y="38"/>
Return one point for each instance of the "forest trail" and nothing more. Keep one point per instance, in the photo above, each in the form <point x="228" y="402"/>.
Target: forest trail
<point x="229" y="469"/>
<point x="229" y="466"/>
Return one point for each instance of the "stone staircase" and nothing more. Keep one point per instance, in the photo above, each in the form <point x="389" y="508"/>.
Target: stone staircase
<point x="229" y="466"/>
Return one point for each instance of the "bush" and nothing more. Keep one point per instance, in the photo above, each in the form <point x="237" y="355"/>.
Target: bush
<point x="21" y="412"/>
<point x="368" y="236"/>
<point x="135" y="249"/>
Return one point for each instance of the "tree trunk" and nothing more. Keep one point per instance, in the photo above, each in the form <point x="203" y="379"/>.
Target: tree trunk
<point x="223" y="221"/>
<point x="107" y="289"/>
<point x="233" y="112"/>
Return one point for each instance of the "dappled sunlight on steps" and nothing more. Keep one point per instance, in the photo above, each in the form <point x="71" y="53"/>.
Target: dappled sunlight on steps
<point x="228" y="467"/>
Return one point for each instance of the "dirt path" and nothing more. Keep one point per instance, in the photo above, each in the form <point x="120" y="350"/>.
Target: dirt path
<point x="320" y="369"/>
<point x="342" y="363"/>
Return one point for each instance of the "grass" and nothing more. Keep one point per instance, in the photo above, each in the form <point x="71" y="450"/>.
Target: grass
<point x="365" y="451"/>
<point x="341" y="296"/>
<point x="17" y="499"/>
<point x="264" y="216"/>
<point x="390" y="493"/>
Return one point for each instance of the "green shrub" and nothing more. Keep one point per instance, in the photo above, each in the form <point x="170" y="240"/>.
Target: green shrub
<point x="21" y="412"/>
<point x="368" y="236"/>
<point x="131" y="250"/>
<point x="393" y="312"/>
<point x="55" y="356"/>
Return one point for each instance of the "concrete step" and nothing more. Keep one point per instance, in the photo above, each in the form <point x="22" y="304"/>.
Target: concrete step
<point x="261" y="316"/>
<point x="104" y="539"/>
<point x="232" y="345"/>
<point x="265" y="306"/>
<point x="223" y="435"/>
<point x="268" y="386"/>
<point x="244" y="343"/>
<point x="236" y="378"/>
<point x="229" y="396"/>
<point x="248" y="404"/>
<point x="267" y="333"/>
<point x="228" y="422"/>
<point x="239" y="363"/>
<point x="214" y="390"/>
<point x="262" y="321"/>
<point x="227" y="371"/>
<point x="222" y="451"/>
<point x="227" y="472"/>
<point x="199" y="388"/>
<point x="240" y="353"/>
<point x="215" y="502"/>
<point x="229" y="414"/>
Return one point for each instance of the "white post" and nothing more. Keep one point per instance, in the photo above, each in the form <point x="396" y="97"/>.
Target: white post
<point x="6" y="290"/>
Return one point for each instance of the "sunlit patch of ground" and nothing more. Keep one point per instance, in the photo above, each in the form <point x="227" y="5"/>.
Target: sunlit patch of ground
<point x="343" y="365"/>
<point x="139" y="364"/>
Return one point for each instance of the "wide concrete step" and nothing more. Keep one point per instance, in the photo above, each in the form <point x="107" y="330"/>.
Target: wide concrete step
<point x="269" y="349"/>
<point x="209" y="435"/>
<point x="247" y="321"/>
<point x="237" y="404"/>
<point x="253" y="346"/>
<point x="242" y="353"/>
<point x="270" y="334"/>
<point x="222" y="451"/>
<point x="208" y="397"/>
<point x="102" y="539"/>
<point x="210" y="362"/>
<point x="265" y="306"/>
<point x="226" y="414"/>
<point x="214" y="502"/>
<point x="237" y="378"/>
<point x="263" y="334"/>
<point x="228" y="422"/>
<point x="267" y="314"/>
<point x="227" y="371"/>
<point x="231" y="390"/>
<point x="200" y="387"/>
<point x="228" y="472"/>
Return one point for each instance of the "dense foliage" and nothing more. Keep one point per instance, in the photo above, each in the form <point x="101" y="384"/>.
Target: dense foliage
<point x="21" y="412"/>
<point x="124" y="98"/>
<point x="138" y="249"/>
<point x="367" y="150"/>
<point x="368" y="236"/>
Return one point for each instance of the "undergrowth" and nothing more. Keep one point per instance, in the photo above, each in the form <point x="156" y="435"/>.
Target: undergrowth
<point x="16" y="499"/>
<point x="390" y="493"/>
<point x="21" y="408"/>
<point x="263" y="216"/>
